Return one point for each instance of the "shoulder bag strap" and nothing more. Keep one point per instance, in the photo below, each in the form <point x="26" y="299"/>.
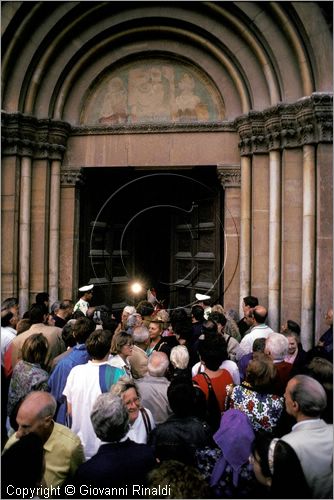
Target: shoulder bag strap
<point x="199" y="368"/>
<point x="208" y="380"/>
<point x="147" y="421"/>
<point x="162" y="344"/>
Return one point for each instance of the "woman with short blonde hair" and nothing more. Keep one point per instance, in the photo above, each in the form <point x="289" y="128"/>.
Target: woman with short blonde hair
<point x="122" y="348"/>
<point x="140" y="419"/>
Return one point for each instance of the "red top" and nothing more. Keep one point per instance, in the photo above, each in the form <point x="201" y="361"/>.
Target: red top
<point x="218" y="384"/>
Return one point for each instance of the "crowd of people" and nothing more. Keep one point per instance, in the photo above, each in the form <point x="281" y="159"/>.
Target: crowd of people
<point x="156" y="403"/>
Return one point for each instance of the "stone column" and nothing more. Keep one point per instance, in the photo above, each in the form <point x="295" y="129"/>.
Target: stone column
<point x="39" y="224"/>
<point x="229" y="176"/>
<point x="54" y="230"/>
<point x="260" y="227"/>
<point x="245" y="229"/>
<point x="24" y="233"/>
<point x="274" y="271"/>
<point x="324" y="235"/>
<point x="10" y="204"/>
<point x="308" y="249"/>
<point x="69" y="232"/>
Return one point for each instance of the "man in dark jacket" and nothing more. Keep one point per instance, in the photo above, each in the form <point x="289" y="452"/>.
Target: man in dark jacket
<point x="119" y="467"/>
<point x="182" y="433"/>
<point x="248" y="305"/>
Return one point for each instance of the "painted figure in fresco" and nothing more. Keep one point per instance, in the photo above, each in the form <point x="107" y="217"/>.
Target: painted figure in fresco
<point x="188" y="106"/>
<point x="115" y="103"/>
<point x="153" y="93"/>
<point x="150" y="93"/>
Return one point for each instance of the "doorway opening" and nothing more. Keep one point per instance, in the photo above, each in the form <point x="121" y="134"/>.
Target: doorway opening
<point x="160" y="228"/>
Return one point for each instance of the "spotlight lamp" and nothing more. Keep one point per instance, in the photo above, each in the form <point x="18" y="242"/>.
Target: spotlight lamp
<point x="136" y="287"/>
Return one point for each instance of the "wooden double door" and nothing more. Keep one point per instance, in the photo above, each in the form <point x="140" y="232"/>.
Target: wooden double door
<point x="162" y="229"/>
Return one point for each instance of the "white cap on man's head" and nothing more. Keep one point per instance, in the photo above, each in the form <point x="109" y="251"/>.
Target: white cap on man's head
<point x="200" y="296"/>
<point x="86" y="288"/>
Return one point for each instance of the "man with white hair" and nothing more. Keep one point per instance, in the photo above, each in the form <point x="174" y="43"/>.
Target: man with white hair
<point x="120" y="464"/>
<point x="311" y="438"/>
<point x="153" y="387"/>
<point x="126" y="313"/>
<point x="139" y="359"/>
<point x="277" y="347"/>
<point x="133" y="321"/>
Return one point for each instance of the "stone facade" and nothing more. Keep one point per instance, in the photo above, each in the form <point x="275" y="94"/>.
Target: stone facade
<point x="168" y="87"/>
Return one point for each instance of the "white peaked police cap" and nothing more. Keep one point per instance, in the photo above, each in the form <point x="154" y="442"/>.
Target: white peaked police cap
<point x="86" y="288"/>
<point x="200" y="296"/>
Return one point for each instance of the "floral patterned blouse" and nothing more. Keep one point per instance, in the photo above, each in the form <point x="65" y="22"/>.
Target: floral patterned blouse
<point x="206" y="459"/>
<point x="263" y="410"/>
<point x="26" y="377"/>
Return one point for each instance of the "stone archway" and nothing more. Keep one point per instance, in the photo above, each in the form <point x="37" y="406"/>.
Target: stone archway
<point x="267" y="65"/>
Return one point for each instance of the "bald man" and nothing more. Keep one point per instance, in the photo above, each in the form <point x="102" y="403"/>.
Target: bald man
<point x="63" y="449"/>
<point x="259" y="330"/>
<point x="153" y="387"/>
<point x="311" y="438"/>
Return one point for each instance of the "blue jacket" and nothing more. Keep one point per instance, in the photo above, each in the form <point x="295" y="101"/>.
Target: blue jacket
<point x="58" y="378"/>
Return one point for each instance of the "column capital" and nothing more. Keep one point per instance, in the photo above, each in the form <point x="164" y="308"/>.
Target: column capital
<point x="229" y="175"/>
<point x="307" y="121"/>
<point x="25" y="135"/>
<point x="71" y="177"/>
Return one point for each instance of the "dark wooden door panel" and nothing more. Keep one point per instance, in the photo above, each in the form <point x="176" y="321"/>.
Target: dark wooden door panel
<point x="195" y="257"/>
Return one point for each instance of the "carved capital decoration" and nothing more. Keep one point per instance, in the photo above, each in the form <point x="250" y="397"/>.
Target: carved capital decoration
<point x="25" y="135"/>
<point x="307" y="121"/>
<point x="71" y="177"/>
<point x="229" y="175"/>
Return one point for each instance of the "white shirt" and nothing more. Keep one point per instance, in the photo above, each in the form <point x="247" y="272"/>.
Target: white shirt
<point x="228" y="365"/>
<point x="312" y="441"/>
<point x="81" y="305"/>
<point x="137" y="432"/>
<point x="246" y="344"/>
<point x="303" y="422"/>
<point x="119" y="362"/>
<point x="81" y="390"/>
<point x="7" y="335"/>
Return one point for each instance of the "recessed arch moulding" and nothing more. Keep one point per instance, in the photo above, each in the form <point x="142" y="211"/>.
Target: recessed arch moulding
<point x="203" y="76"/>
<point x="232" y="64"/>
<point x="254" y="69"/>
